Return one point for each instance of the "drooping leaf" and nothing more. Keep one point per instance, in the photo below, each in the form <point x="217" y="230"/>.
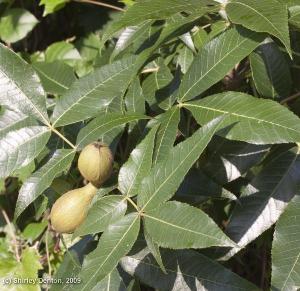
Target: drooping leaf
<point x="286" y="249"/>
<point x="33" y="187"/>
<point x="129" y="35"/>
<point x="257" y="121"/>
<point x="92" y="93"/>
<point x="12" y="120"/>
<point x="178" y="225"/>
<point x="262" y="16"/>
<point x="270" y="71"/>
<point x="56" y="77"/>
<point x="114" y="243"/>
<point x="15" y="24"/>
<point x="216" y="58"/>
<point x="18" y="148"/>
<point x="152" y="9"/>
<point x="154" y="249"/>
<point x="103" y="125"/>
<point x="137" y="166"/>
<point x="186" y="270"/>
<point x="165" y="177"/>
<point x="265" y="199"/>
<point x="23" y="94"/>
<point x="134" y="99"/>
<point x="166" y="134"/>
<point x="103" y="212"/>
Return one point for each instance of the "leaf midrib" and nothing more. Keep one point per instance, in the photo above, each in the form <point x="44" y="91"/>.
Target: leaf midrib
<point x="90" y="91"/>
<point x="51" y="79"/>
<point x="240" y="116"/>
<point x="44" y="119"/>
<point x="111" y="121"/>
<point x="107" y="213"/>
<point x="172" y="173"/>
<point x="163" y="135"/>
<point x="182" y="228"/>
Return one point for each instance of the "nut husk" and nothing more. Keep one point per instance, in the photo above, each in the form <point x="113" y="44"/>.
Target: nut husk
<point x="70" y="210"/>
<point x="95" y="163"/>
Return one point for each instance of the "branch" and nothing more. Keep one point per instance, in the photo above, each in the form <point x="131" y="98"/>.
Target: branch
<point x="100" y="4"/>
<point x="290" y="98"/>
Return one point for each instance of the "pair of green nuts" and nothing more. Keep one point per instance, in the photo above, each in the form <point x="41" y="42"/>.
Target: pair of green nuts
<point x="95" y="163"/>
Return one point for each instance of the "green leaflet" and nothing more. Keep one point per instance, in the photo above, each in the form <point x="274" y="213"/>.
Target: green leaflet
<point x="257" y="121"/>
<point x="138" y="165"/>
<point x="102" y="213"/>
<point x="115" y="243"/>
<point x="177" y="225"/>
<point x="286" y="249"/>
<point x="216" y="59"/>
<point x="262" y="16"/>
<point x="23" y="93"/>
<point x="18" y="148"/>
<point x="165" y="177"/>
<point x="92" y="93"/>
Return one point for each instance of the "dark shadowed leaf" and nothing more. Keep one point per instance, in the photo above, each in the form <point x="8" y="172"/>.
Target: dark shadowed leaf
<point x="265" y="199"/>
<point x="227" y="160"/>
<point x="186" y="270"/>
<point x="270" y="71"/>
<point x="286" y="249"/>
<point x="112" y="282"/>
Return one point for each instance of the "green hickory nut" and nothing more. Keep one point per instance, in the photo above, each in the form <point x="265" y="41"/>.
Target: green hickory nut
<point x="95" y="163"/>
<point x="70" y="210"/>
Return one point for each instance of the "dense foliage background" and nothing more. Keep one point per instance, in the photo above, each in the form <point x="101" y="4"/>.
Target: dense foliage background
<point x="199" y="102"/>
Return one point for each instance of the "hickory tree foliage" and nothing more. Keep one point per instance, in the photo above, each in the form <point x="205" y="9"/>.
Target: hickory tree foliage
<point x="199" y="102"/>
